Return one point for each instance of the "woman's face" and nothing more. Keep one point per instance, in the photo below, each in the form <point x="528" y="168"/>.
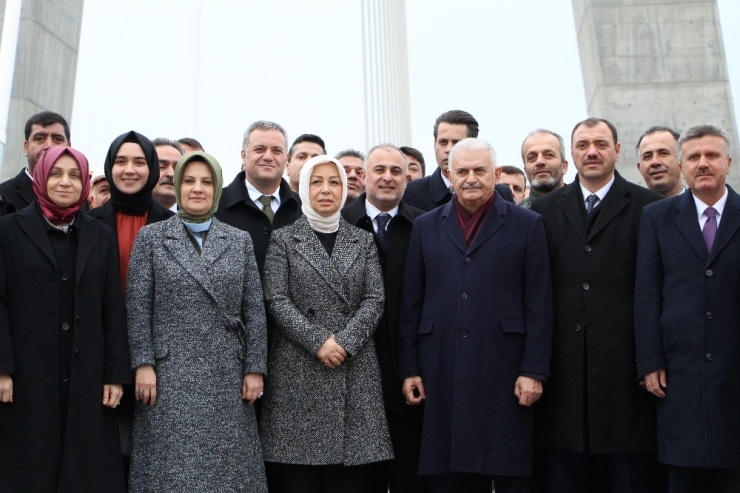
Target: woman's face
<point x="64" y="185"/>
<point x="130" y="169"/>
<point x="196" y="188"/>
<point x="325" y="189"/>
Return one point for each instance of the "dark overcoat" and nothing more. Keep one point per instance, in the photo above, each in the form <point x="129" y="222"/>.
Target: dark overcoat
<point x="687" y="321"/>
<point x="473" y="320"/>
<point x="18" y="190"/>
<point x="30" y="441"/>
<point x="430" y="192"/>
<point x="594" y="291"/>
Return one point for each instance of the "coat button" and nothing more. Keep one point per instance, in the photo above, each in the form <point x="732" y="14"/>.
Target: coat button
<point x="709" y="356"/>
<point x="265" y="231"/>
<point x="467" y="259"/>
<point x="587" y="248"/>
<point x="464" y="333"/>
<point x="464" y="296"/>
<point x="65" y="377"/>
<point x="77" y="318"/>
<point x="65" y="326"/>
<point x="77" y="352"/>
<point x="586" y="286"/>
<point x="710" y="272"/>
<point x="708" y="315"/>
<point x="578" y="328"/>
<point x="64" y="276"/>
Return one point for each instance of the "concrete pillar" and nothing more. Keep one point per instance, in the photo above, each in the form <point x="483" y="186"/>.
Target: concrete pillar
<point x="386" y="78"/>
<point x="45" y="70"/>
<point x="654" y="62"/>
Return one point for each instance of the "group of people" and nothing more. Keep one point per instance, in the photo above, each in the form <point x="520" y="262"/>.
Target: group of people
<point x="328" y="324"/>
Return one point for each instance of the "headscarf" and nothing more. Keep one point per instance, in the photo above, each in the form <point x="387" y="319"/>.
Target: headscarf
<point x="135" y="204"/>
<point x="318" y="222"/>
<point x="50" y="209"/>
<point x="218" y="182"/>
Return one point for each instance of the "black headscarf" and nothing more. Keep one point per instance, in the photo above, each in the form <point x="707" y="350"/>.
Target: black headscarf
<point x="137" y="203"/>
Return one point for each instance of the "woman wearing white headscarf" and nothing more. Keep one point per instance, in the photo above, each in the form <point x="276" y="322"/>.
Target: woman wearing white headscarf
<point x="323" y="416"/>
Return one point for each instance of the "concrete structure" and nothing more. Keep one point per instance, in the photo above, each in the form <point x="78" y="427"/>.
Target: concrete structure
<point x="386" y="78"/>
<point x="654" y="62"/>
<point x="45" y="69"/>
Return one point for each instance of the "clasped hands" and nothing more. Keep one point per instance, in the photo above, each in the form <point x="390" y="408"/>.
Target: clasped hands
<point x="331" y="354"/>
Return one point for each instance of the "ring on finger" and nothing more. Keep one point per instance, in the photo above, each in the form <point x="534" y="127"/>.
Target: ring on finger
<point x="260" y="395"/>
<point x="141" y="393"/>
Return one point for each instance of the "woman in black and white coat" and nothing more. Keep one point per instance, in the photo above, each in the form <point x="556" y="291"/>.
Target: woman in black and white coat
<point x="323" y="415"/>
<point x="198" y="345"/>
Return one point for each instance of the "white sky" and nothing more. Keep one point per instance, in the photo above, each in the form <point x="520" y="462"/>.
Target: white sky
<point x="513" y="65"/>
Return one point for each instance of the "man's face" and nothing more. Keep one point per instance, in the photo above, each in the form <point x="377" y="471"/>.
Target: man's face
<point x="543" y="164"/>
<point x="355" y="169"/>
<point x="414" y="168"/>
<point x="517" y="184"/>
<point x="99" y="193"/>
<point x="473" y="178"/>
<point x="264" y="159"/>
<point x="659" y="164"/>
<point x="386" y="178"/>
<point x="705" y="165"/>
<point x="164" y="192"/>
<point x="595" y="154"/>
<point x="41" y="139"/>
<point x="302" y="152"/>
<point x="447" y="136"/>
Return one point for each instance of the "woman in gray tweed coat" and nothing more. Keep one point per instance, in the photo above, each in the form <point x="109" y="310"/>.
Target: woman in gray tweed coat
<point x="197" y="340"/>
<point x="323" y="415"/>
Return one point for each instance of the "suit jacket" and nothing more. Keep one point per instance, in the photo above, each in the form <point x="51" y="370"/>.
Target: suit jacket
<point x="18" y="190"/>
<point x="238" y="210"/>
<point x="312" y="414"/>
<point x="687" y="317"/>
<point x="393" y="264"/>
<point x="594" y="288"/>
<point x="430" y="192"/>
<point x="474" y="318"/>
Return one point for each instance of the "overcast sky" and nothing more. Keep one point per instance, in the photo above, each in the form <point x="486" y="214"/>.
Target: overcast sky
<point x="513" y="65"/>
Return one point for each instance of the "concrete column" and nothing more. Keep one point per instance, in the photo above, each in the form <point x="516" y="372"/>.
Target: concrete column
<point x="386" y="79"/>
<point x="45" y="70"/>
<point x="654" y="62"/>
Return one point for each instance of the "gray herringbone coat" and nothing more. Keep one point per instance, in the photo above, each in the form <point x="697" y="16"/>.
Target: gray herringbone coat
<point x="312" y="414"/>
<point x="184" y="314"/>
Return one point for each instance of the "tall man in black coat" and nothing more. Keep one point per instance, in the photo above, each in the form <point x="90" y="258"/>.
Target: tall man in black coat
<point x="434" y="190"/>
<point x="259" y="200"/>
<point x="381" y="211"/>
<point x="593" y="404"/>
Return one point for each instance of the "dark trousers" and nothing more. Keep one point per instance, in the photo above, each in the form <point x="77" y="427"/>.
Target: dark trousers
<point x="568" y="472"/>
<point x="296" y="478"/>
<point x="476" y="483"/>
<point x="703" y="480"/>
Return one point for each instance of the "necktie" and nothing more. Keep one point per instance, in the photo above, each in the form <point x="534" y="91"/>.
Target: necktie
<point x="710" y="227"/>
<point x="591" y="202"/>
<point x="266" y="201"/>
<point x="383" y="219"/>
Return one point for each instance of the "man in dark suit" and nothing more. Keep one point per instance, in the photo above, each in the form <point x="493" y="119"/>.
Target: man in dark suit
<point x="43" y="130"/>
<point x="434" y="190"/>
<point x="259" y="200"/>
<point x="475" y="351"/>
<point x="687" y="317"/>
<point x="381" y="211"/>
<point x="593" y="405"/>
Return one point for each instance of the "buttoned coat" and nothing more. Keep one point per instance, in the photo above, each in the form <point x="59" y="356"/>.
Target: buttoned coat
<point x="186" y="316"/>
<point x="312" y="414"/>
<point x="473" y="319"/>
<point x="30" y="441"/>
<point x="687" y="321"/>
<point x="594" y="292"/>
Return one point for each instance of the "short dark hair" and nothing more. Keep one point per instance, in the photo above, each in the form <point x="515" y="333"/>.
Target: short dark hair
<point x="44" y="119"/>
<point x="591" y="123"/>
<point x="350" y="153"/>
<point x="656" y="129"/>
<point x="314" y="139"/>
<point x="513" y="170"/>
<point x="161" y="141"/>
<point x="458" y="117"/>
<point x="416" y="154"/>
<point x="189" y="141"/>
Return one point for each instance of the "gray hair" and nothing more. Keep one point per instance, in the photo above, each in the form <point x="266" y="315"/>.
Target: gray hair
<point x="264" y="125"/>
<point x="389" y="147"/>
<point x="471" y="144"/>
<point x="549" y="132"/>
<point x="350" y="153"/>
<point x="161" y="141"/>
<point x="699" y="131"/>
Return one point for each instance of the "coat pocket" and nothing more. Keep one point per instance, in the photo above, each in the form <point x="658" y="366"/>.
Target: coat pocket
<point x="426" y="326"/>
<point x="161" y="351"/>
<point x="512" y="326"/>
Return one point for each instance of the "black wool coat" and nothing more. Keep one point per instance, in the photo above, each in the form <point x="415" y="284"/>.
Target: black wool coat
<point x="18" y="190"/>
<point x="30" y="443"/>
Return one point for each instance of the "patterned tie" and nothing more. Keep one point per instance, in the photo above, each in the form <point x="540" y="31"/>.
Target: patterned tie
<point x="591" y="202"/>
<point x="710" y="227"/>
<point x="383" y="219"/>
<point x="266" y="201"/>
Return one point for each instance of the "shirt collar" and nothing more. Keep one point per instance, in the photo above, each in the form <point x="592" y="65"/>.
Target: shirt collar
<point x="600" y="193"/>
<point x="255" y="194"/>
<point x="445" y="180"/>
<point x="373" y="211"/>
<point x="719" y="206"/>
<point x="28" y="173"/>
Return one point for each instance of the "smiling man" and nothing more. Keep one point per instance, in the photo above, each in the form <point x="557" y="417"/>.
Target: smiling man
<point x="169" y="153"/>
<point x="658" y="163"/>
<point x="543" y="154"/>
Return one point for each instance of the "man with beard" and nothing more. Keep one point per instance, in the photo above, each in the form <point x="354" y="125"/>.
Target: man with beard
<point x="543" y="154"/>
<point x="169" y="153"/>
<point x="657" y="161"/>
<point x="354" y="165"/>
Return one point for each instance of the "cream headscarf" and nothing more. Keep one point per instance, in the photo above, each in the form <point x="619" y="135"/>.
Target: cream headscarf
<point x="318" y="222"/>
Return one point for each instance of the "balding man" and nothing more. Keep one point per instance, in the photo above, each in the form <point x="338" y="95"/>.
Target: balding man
<point x="543" y="155"/>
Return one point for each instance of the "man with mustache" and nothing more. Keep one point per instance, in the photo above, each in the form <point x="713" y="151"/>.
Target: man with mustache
<point x="657" y="161"/>
<point x="543" y="155"/>
<point x="354" y="165"/>
<point x="169" y="153"/>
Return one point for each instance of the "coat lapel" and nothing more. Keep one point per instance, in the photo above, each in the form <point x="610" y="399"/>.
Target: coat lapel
<point x="615" y="201"/>
<point x="687" y="223"/>
<point x="491" y="223"/>
<point x="728" y="224"/>
<point x="86" y="243"/>
<point x="451" y="225"/>
<point x="181" y="248"/>
<point x="310" y="248"/>
<point x="215" y="244"/>
<point x="439" y="192"/>
<point x="31" y="222"/>
<point x="571" y="208"/>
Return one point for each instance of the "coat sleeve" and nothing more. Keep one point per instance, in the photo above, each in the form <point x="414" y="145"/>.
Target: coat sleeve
<point x="253" y="315"/>
<point x="117" y="366"/>
<point x="140" y="300"/>
<point x="364" y="321"/>
<point x="7" y="359"/>
<point x="648" y="299"/>
<point x="284" y="315"/>
<point x="412" y="304"/>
